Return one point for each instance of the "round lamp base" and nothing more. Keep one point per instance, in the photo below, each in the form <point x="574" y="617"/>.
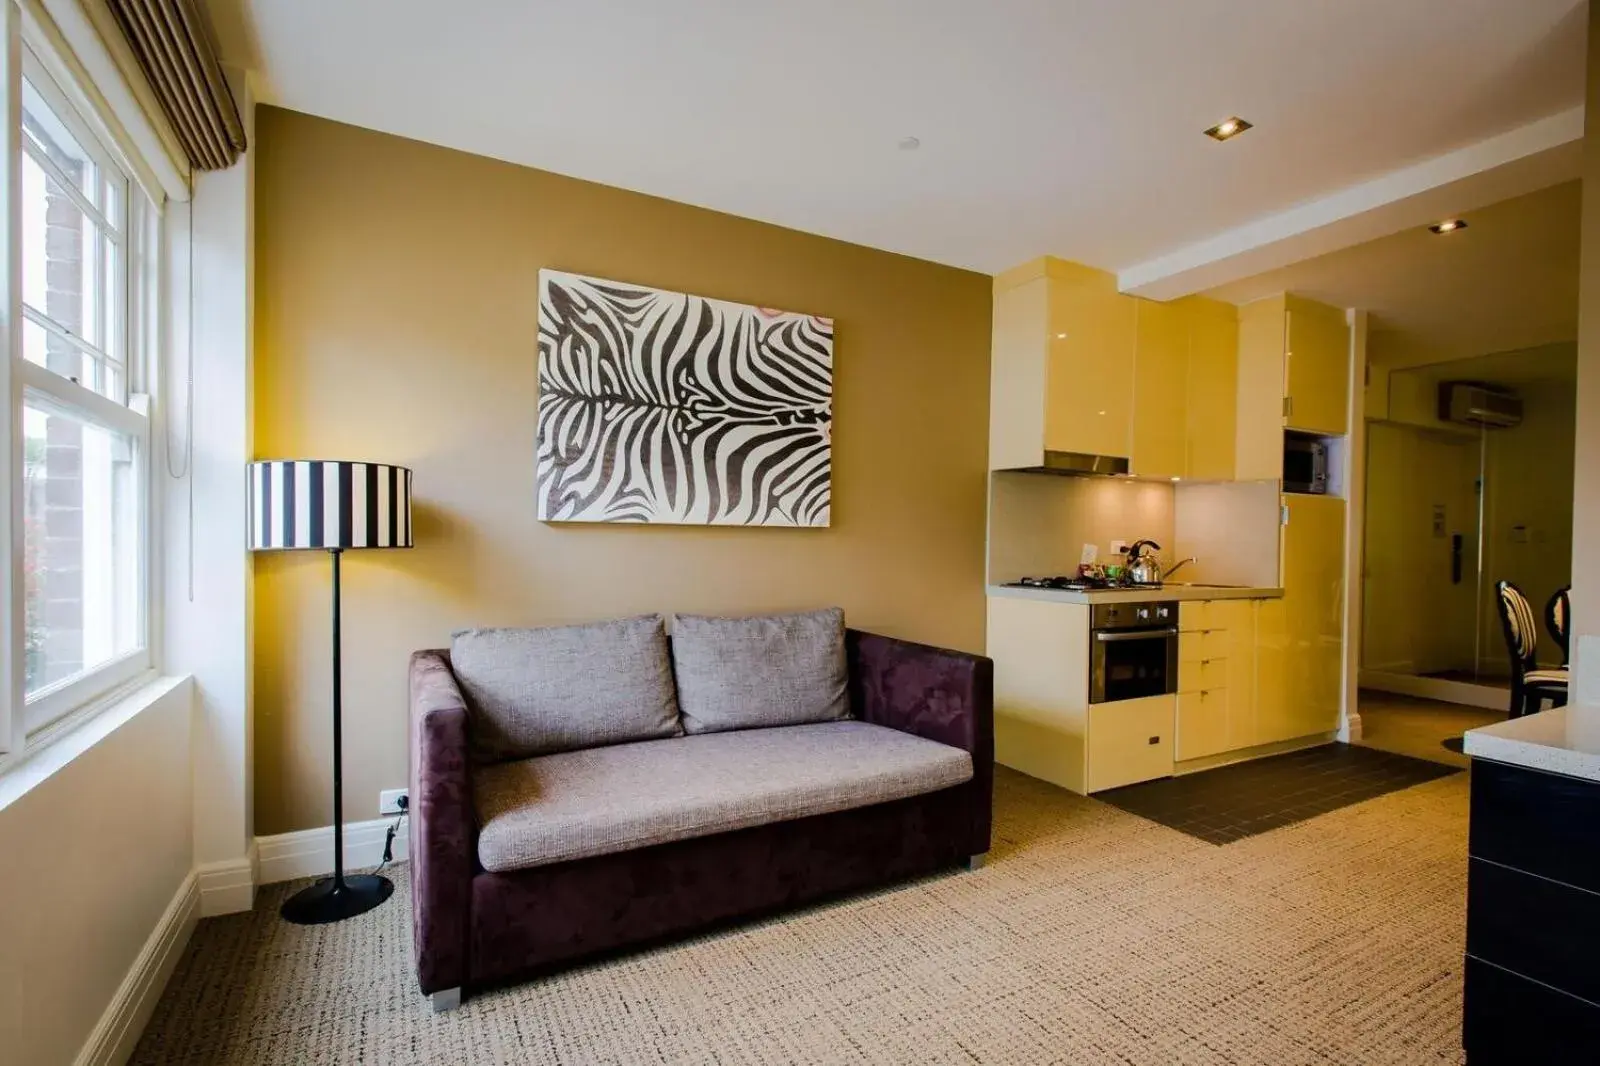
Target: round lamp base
<point x="334" y="900"/>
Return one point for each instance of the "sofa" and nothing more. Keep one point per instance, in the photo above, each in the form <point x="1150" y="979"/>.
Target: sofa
<point x="580" y="790"/>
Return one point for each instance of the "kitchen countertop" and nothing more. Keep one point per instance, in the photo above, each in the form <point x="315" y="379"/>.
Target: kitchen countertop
<point x="1165" y="594"/>
<point x="1562" y="740"/>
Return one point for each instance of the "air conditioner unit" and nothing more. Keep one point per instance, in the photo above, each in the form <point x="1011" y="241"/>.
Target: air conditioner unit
<point x="1472" y="403"/>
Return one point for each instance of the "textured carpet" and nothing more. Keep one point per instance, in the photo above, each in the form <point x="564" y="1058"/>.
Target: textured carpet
<point x="1092" y="937"/>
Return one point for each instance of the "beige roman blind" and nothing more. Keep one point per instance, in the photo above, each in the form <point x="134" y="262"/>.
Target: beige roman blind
<point x="172" y="42"/>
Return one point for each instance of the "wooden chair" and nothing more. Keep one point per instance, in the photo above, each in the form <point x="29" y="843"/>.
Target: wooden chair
<point x="1556" y="615"/>
<point x="1530" y="686"/>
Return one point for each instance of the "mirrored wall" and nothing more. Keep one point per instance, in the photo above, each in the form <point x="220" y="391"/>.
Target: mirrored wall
<point x="1469" y="482"/>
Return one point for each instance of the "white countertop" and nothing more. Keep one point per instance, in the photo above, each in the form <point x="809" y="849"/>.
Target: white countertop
<point x="1165" y="594"/>
<point x="1562" y="740"/>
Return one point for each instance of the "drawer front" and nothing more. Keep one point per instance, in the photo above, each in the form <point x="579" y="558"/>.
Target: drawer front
<point x="1204" y="644"/>
<point x="1511" y="1021"/>
<point x="1130" y="741"/>
<point x="1203" y="675"/>
<point x="1194" y="615"/>
<point x="1541" y="929"/>
<point x="1545" y="824"/>
<point x="1203" y="727"/>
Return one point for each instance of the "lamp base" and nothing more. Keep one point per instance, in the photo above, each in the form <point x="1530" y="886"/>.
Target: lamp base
<point x="331" y="900"/>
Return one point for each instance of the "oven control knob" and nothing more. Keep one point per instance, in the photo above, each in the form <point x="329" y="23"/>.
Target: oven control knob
<point x="1142" y="613"/>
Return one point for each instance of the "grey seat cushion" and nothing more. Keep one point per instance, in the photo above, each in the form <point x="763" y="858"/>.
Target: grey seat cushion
<point x="751" y="673"/>
<point x="604" y="800"/>
<point x="537" y="691"/>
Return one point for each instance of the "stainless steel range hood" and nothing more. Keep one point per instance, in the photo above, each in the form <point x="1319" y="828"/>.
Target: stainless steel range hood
<point x="1079" y="464"/>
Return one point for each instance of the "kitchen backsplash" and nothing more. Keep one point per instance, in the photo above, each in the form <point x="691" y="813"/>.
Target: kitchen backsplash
<point x="1231" y="529"/>
<point x="1038" y="523"/>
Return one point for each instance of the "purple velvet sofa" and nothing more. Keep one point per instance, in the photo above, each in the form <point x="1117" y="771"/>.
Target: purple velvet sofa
<point x="475" y="928"/>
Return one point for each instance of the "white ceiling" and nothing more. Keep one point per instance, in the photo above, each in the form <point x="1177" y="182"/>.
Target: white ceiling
<point x="1508" y="281"/>
<point x="1068" y="127"/>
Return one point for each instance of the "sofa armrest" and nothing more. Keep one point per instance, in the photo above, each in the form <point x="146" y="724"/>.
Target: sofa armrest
<point x="443" y="828"/>
<point x="934" y="693"/>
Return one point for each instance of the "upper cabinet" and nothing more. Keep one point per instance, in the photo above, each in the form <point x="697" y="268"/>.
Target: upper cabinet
<point x="1078" y="366"/>
<point x="1294" y="373"/>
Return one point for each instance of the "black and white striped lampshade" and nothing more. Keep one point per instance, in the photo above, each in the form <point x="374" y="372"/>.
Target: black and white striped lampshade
<point x="314" y="503"/>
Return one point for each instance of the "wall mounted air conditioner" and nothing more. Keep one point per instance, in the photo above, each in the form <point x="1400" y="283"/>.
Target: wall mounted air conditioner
<point x="1472" y="403"/>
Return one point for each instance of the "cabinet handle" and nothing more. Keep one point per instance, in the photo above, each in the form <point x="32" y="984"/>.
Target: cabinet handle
<point x="1288" y="406"/>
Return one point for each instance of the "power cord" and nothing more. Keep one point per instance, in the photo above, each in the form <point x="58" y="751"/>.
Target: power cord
<point x="404" y="803"/>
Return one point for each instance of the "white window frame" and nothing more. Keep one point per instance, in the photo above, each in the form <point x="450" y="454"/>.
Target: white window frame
<point x="32" y="50"/>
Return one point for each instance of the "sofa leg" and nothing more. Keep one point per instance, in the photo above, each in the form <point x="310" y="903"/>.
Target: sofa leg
<point x="975" y="862"/>
<point x="449" y="999"/>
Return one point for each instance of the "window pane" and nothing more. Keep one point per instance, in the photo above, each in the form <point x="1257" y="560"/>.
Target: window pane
<point x="70" y="273"/>
<point x="81" y="552"/>
<point x="46" y="132"/>
<point x="41" y="346"/>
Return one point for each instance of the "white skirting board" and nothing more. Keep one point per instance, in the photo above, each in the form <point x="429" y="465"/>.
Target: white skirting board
<point x="118" y="1030"/>
<point x="228" y="887"/>
<point x="309" y="852"/>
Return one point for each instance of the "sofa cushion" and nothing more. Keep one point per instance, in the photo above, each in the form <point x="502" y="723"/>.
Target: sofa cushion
<point x="537" y="691"/>
<point x="750" y="673"/>
<point x="603" y="800"/>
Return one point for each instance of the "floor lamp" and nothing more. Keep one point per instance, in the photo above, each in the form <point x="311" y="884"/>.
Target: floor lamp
<point x="331" y="506"/>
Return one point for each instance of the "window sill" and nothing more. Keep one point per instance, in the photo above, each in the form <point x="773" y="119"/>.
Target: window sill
<point x="57" y="746"/>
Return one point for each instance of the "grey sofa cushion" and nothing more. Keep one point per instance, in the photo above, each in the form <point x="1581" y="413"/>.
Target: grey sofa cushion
<point x="536" y="691"/>
<point x="749" y="673"/>
<point x="604" y="800"/>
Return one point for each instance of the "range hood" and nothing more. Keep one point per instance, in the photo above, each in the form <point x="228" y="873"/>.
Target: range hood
<point x="1079" y="464"/>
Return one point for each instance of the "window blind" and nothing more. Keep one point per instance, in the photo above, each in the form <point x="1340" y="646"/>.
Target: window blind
<point x="173" y="45"/>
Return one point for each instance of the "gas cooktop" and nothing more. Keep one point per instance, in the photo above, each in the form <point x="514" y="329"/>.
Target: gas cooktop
<point x="1065" y="583"/>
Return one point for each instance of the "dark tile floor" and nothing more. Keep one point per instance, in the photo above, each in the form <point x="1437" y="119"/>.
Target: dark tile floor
<point x="1227" y="804"/>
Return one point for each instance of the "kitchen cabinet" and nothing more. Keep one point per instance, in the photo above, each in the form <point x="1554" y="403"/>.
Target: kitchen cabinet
<point x="1317" y="368"/>
<point x="1160" y="391"/>
<point x="1130" y="741"/>
<point x="1216" y="678"/>
<point x="1293" y="373"/>
<point x="1213" y="385"/>
<point x="1079" y="367"/>
<point x="1300" y="637"/>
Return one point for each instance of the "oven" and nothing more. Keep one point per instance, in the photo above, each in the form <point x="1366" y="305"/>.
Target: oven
<point x="1133" y="651"/>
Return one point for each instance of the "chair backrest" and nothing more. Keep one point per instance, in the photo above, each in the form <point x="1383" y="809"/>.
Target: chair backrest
<point x="1520" y="626"/>
<point x="1556" y="615"/>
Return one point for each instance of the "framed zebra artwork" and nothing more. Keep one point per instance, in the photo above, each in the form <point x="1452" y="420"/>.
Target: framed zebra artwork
<point x="662" y="407"/>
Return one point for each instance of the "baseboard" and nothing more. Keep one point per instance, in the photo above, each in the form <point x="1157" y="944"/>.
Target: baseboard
<point x="1228" y="758"/>
<point x="1350" y="730"/>
<point x="228" y="887"/>
<point x="1433" y="688"/>
<point x="309" y="852"/>
<point x="118" y="1030"/>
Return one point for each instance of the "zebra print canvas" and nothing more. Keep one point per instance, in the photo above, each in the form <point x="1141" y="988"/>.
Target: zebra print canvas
<point x="663" y="407"/>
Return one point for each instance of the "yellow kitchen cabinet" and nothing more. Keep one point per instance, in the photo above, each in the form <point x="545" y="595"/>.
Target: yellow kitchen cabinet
<point x="1130" y="741"/>
<point x="1061" y="364"/>
<point x="1299" y="638"/>
<point x="1317" y="375"/>
<point x="1160" y="390"/>
<point x="1216" y="679"/>
<point x="1293" y="373"/>
<point x="1213" y="387"/>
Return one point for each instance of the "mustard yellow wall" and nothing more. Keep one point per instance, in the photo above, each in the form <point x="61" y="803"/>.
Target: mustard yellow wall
<point x="396" y="320"/>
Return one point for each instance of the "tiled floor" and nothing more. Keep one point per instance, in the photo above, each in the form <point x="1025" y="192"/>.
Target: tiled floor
<point x="1234" y="802"/>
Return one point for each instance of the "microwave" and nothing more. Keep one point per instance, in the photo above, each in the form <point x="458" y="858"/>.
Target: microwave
<point x="1305" y="465"/>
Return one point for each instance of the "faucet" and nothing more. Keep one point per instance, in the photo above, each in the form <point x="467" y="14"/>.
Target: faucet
<point x="1175" y="567"/>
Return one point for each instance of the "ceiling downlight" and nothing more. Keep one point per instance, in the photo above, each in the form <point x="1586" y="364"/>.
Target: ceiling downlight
<point x="1228" y="128"/>
<point x="1449" y="225"/>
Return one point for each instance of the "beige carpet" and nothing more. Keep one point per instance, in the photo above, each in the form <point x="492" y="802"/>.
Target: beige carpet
<point x="1093" y="937"/>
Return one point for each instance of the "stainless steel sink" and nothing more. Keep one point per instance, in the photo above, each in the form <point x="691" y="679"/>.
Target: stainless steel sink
<point x="1203" y="585"/>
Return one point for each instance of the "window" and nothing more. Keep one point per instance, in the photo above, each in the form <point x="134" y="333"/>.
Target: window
<point x="82" y="473"/>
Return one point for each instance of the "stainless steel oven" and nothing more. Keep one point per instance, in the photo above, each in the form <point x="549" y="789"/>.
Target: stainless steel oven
<point x="1133" y="651"/>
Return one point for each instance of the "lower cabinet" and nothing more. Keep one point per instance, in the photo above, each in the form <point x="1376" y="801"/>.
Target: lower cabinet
<point x="1130" y="741"/>
<point x="1216" y="678"/>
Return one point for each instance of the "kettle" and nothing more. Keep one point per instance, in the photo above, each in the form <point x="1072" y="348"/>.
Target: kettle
<point x="1143" y="566"/>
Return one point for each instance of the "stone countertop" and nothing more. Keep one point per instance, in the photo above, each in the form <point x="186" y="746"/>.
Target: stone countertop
<point x="1166" y="594"/>
<point x="1562" y="740"/>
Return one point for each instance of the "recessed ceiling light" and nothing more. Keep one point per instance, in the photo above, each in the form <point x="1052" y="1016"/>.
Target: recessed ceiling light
<point x="1228" y="128"/>
<point x="910" y="144"/>
<point x="1061" y="336"/>
<point x="1449" y="225"/>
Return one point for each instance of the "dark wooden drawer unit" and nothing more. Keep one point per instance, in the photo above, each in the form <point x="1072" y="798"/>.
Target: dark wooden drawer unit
<point x="1533" y="919"/>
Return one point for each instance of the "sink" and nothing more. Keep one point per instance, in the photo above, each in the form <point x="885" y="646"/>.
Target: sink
<point x="1203" y="585"/>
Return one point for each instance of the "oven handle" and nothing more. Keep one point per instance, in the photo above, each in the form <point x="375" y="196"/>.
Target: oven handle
<point x="1136" y="634"/>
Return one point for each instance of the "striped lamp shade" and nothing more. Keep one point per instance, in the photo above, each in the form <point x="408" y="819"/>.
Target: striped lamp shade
<point x="314" y="503"/>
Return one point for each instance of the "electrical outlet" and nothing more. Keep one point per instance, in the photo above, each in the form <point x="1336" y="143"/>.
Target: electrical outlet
<point x="1119" y="547"/>
<point x="389" y="801"/>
